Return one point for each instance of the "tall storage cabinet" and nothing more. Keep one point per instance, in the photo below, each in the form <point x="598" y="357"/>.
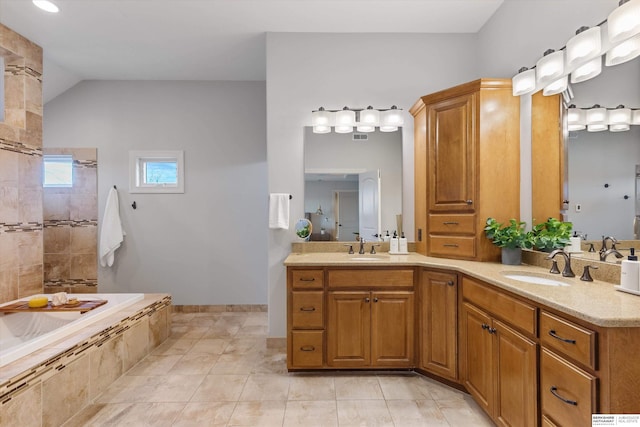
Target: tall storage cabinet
<point x="467" y="167"/>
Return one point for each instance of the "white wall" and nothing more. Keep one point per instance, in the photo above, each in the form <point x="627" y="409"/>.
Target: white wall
<point x="206" y="246"/>
<point x="305" y="71"/>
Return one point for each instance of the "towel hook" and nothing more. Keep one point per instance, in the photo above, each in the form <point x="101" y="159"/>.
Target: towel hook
<point x="134" y="205"/>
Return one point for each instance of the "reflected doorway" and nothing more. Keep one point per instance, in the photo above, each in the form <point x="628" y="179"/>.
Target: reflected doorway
<point x="347" y="223"/>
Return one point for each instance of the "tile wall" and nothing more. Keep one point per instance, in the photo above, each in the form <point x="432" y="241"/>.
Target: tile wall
<point x="70" y="227"/>
<point x="21" y="243"/>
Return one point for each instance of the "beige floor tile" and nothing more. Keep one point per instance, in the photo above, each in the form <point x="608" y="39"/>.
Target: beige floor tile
<point x="205" y="414"/>
<point x="182" y="317"/>
<point x="235" y="364"/>
<point x="271" y="362"/>
<point x="174" y="346"/>
<point x="416" y="413"/>
<point x="312" y="388"/>
<point x="256" y="319"/>
<point x="404" y="387"/>
<point x="265" y="387"/>
<point x="182" y="330"/>
<point x="220" y="388"/>
<point x="357" y="387"/>
<point x="194" y="364"/>
<point x="222" y="331"/>
<point x="363" y="413"/>
<point x="463" y="413"/>
<point x="263" y="414"/>
<point x="167" y="388"/>
<point x="154" y="365"/>
<point x="128" y="414"/>
<point x="316" y="413"/>
<point x="252" y="331"/>
<point x="209" y="346"/>
<point x="246" y="345"/>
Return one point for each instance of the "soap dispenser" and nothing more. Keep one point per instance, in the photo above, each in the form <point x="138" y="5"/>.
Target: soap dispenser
<point x="402" y="245"/>
<point x="630" y="272"/>
<point x="394" y="246"/>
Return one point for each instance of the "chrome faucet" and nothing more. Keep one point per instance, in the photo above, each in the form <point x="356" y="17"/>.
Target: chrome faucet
<point x="605" y="254"/>
<point x="566" y="271"/>
<point x="361" y="251"/>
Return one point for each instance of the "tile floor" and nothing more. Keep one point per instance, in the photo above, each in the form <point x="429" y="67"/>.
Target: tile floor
<point x="215" y="370"/>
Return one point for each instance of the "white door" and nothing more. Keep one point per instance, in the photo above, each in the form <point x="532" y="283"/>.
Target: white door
<point x="346" y="209"/>
<point x="369" y="190"/>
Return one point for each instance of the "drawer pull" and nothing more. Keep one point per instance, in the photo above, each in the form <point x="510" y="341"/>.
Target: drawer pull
<point x="307" y="348"/>
<point x="450" y="283"/>
<point x="451" y="223"/>
<point x="450" y="245"/>
<point x="553" y="334"/>
<point x="307" y="309"/>
<point x="305" y="279"/>
<point x="554" y="389"/>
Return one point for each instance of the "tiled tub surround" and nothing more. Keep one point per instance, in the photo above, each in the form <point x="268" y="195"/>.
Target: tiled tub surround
<point x="70" y="227"/>
<point x="51" y="385"/>
<point x="21" y="168"/>
<point x="23" y="333"/>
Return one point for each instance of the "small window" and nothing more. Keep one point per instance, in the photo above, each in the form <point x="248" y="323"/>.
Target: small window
<point x="156" y="172"/>
<point x="58" y="171"/>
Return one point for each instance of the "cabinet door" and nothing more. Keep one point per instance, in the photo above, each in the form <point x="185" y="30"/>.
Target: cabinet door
<point x="348" y="329"/>
<point x="451" y="153"/>
<point x="392" y="328"/>
<point x="439" y="316"/>
<point x="478" y="356"/>
<point x="516" y="381"/>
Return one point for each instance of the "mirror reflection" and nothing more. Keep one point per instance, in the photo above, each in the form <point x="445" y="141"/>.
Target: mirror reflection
<point x="353" y="186"/>
<point x="604" y="197"/>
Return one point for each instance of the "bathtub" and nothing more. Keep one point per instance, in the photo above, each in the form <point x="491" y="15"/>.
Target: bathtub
<point x="24" y="332"/>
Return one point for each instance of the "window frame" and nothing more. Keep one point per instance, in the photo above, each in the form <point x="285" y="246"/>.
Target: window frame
<point x="137" y="160"/>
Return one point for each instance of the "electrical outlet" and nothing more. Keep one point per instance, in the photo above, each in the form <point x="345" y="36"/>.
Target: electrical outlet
<point x="578" y="207"/>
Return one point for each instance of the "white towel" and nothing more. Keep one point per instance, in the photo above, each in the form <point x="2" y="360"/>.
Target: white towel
<point x="279" y="211"/>
<point x="111" y="233"/>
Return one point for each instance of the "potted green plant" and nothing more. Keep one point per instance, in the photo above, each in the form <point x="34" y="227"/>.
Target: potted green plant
<point x="551" y="234"/>
<point x="510" y="238"/>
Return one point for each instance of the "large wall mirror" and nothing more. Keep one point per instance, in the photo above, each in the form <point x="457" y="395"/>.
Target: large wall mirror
<point x="603" y="190"/>
<point x="353" y="184"/>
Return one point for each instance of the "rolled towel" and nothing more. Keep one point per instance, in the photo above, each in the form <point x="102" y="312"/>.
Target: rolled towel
<point x="59" y="298"/>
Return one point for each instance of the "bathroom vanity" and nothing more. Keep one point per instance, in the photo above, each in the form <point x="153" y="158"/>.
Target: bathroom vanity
<point x="529" y="354"/>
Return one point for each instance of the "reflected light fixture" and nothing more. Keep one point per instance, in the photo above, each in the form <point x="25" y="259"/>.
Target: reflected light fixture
<point x="46" y="5"/>
<point x="599" y="118"/>
<point x="587" y="71"/>
<point x="319" y="210"/>
<point x="624" y="52"/>
<point x="576" y="118"/>
<point x="558" y="86"/>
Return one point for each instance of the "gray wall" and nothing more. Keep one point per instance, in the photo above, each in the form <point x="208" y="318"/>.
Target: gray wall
<point x="206" y="246"/>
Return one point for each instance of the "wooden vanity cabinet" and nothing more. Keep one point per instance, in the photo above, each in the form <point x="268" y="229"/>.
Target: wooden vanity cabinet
<point x="467" y="167"/>
<point x="438" y="332"/>
<point x="499" y="354"/>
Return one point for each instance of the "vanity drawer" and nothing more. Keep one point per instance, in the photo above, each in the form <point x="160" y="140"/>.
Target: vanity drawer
<point x="306" y="349"/>
<point x="370" y="278"/>
<point x="307" y="309"/>
<point x="517" y="313"/>
<point x="567" y="393"/>
<point x="568" y="338"/>
<point x="453" y="246"/>
<point x="307" y="279"/>
<point x="452" y="224"/>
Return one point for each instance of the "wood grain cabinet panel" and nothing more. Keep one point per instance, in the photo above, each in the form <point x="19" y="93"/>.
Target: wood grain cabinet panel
<point x="307" y="309"/>
<point x="349" y="329"/>
<point x="568" y="338"/>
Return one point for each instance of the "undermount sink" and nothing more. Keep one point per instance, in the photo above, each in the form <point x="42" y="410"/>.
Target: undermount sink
<point x="369" y="258"/>
<point x="533" y="278"/>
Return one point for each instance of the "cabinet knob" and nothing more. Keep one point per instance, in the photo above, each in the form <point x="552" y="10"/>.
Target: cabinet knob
<point x="450" y="283"/>
<point x="492" y="330"/>
<point x="367" y="300"/>
<point x="469" y="202"/>
<point x="554" y="391"/>
<point x="375" y="299"/>
<point x="485" y="326"/>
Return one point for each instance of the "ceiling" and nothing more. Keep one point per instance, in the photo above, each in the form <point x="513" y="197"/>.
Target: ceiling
<point x="211" y="39"/>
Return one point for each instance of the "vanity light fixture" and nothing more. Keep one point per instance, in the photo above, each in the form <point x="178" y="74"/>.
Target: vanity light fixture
<point x="599" y="118"/>
<point x="582" y="55"/>
<point x="576" y="118"/>
<point x="624" y="22"/>
<point x="46" y="5"/>
<point x="558" y="86"/>
<point x="635" y="117"/>
<point x="363" y="119"/>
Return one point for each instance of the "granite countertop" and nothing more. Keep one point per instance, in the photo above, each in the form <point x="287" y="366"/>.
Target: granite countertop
<point x="596" y="302"/>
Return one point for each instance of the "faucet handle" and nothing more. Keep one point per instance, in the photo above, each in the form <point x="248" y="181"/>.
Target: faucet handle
<point x="554" y="267"/>
<point x="591" y="248"/>
<point x="373" y="248"/>
<point x="586" y="276"/>
<point x="350" y="249"/>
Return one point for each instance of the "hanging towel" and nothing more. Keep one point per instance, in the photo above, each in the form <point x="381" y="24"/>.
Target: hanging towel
<point x="279" y="211"/>
<point x="111" y="233"/>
